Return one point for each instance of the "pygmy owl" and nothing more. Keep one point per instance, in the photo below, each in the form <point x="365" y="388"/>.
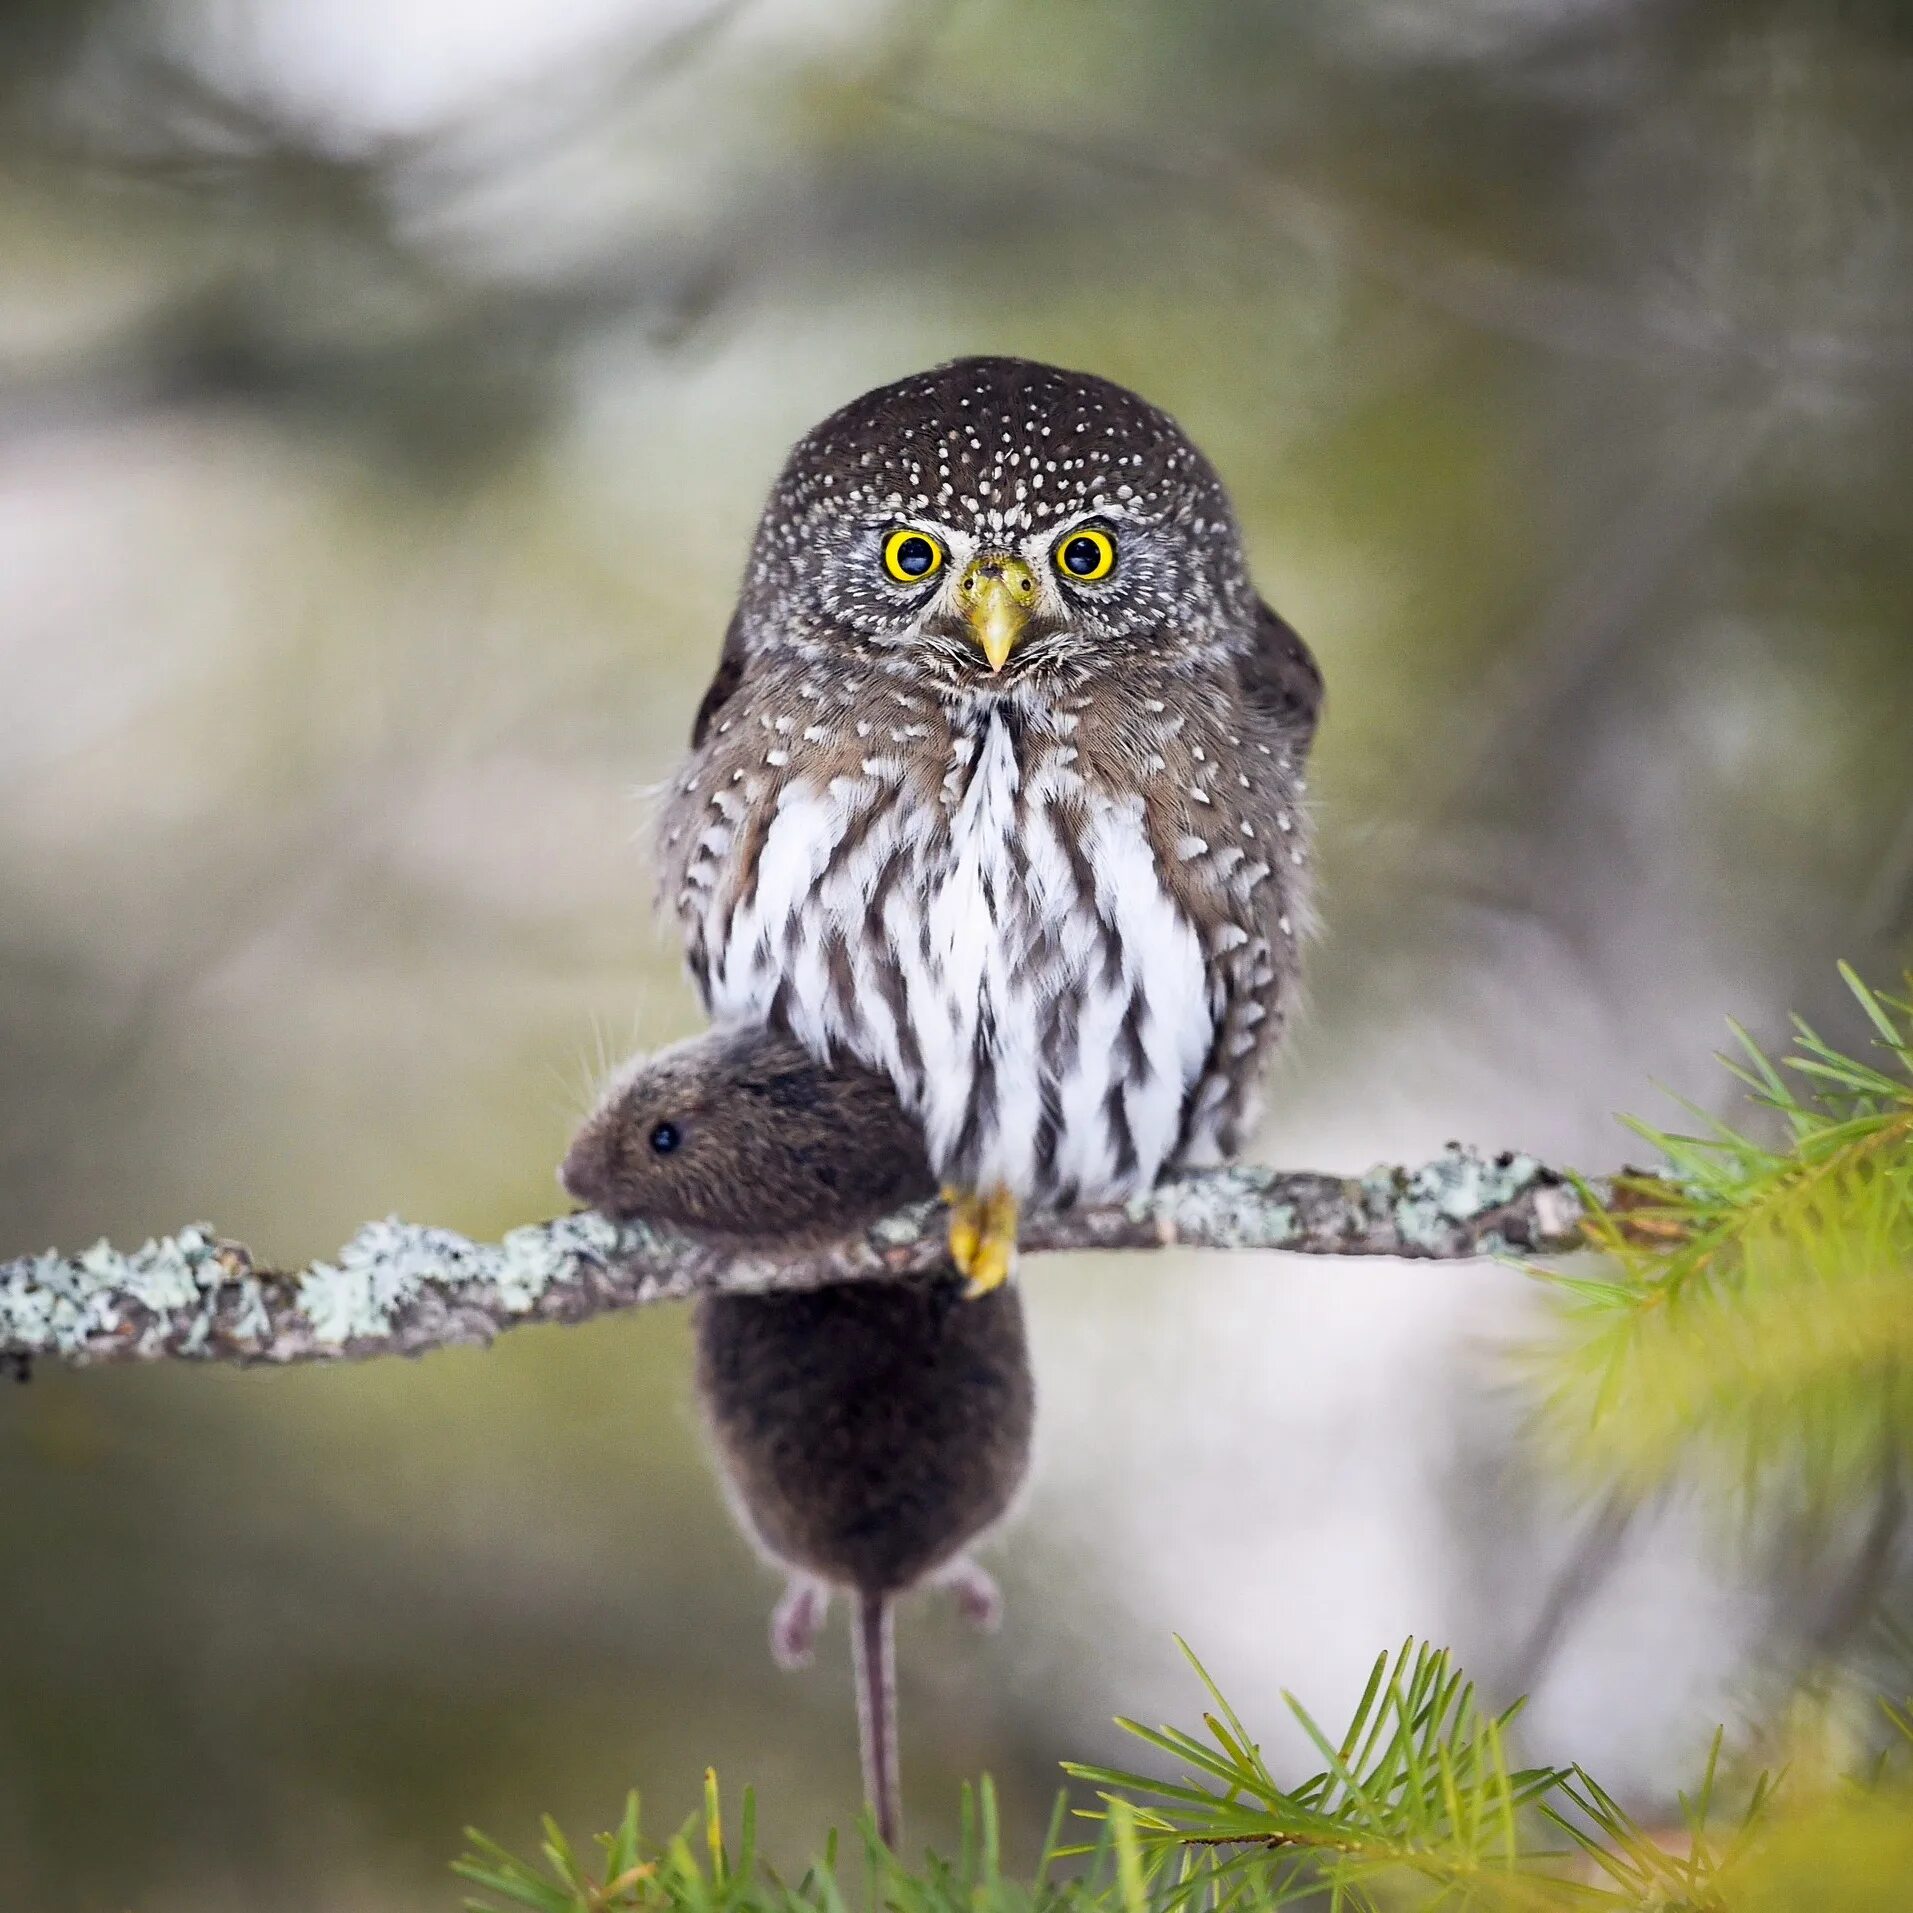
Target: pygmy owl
<point x="997" y="789"/>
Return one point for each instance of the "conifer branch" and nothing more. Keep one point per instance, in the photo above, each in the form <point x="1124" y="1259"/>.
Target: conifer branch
<point x="1752" y="1304"/>
<point x="400" y="1289"/>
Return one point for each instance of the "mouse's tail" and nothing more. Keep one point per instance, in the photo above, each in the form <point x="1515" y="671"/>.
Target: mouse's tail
<point x="875" y="1652"/>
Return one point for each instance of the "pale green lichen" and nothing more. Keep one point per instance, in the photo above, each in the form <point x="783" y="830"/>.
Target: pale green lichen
<point x="250" y="1320"/>
<point x="389" y="1265"/>
<point x="60" y="1303"/>
<point x="175" y="1290"/>
<point x="1227" y="1206"/>
<point x="532" y="1258"/>
<point x="904" y="1229"/>
<point x="631" y="1241"/>
<point x="378" y="1272"/>
<point x="1457" y="1189"/>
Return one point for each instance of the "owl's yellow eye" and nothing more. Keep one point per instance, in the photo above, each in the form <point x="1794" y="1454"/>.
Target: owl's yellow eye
<point x="1086" y="555"/>
<point x="912" y="557"/>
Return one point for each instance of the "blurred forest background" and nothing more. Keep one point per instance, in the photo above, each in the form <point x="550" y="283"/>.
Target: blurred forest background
<point x="387" y="392"/>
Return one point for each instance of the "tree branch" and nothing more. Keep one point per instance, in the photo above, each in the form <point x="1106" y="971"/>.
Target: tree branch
<point x="399" y="1289"/>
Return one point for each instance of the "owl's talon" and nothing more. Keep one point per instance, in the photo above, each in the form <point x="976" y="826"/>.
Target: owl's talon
<point x="989" y="1270"/>
<point x="994" y="1259"/>
<point x="966" y="1228"/>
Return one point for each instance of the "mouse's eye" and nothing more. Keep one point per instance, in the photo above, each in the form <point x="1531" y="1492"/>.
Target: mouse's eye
<point x="666" y="1138"/>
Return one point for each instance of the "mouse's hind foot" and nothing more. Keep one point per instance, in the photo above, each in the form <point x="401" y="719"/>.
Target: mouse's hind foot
<point x="797" y="1620"/>
<point x="978" y="1598"/>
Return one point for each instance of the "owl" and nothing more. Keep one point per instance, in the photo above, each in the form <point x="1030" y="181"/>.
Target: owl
<point x="998" y="788"/>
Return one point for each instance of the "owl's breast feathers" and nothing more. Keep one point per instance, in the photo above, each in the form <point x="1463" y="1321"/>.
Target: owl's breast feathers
<point x="1066" y="927"/>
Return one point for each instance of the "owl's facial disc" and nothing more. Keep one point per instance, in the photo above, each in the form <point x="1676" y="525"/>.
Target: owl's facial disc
<point x="994" y="595"/>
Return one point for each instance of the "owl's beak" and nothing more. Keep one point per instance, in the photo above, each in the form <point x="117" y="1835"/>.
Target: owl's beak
<point x="995" y="594"/>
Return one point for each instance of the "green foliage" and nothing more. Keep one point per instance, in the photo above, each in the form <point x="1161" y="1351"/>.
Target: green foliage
<point x="1419" y="1783"/>
<point x="695" y="1871"/>
<point x="1415" y="1805"/>
<point x="1754" y="1312"/>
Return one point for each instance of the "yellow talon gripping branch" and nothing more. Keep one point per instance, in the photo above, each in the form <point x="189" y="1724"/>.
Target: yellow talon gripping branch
<point x="983" y="1237"/>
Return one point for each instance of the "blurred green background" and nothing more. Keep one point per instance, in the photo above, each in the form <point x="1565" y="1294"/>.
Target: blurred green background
<point x="387" y="392"/>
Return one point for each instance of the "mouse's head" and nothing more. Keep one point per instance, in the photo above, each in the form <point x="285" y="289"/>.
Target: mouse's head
<point x="740" y="1133"/>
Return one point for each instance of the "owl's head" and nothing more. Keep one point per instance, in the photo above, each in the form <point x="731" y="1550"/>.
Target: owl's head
<point x="993" y="517"/>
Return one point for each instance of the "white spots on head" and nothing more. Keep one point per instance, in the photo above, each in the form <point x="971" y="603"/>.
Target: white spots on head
<point x="990" y="429"/>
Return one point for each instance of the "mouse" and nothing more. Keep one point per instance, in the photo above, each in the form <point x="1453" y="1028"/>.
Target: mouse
<point x="868" y="1434"/>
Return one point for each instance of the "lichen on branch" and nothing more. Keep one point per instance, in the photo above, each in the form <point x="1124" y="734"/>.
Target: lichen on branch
<point x="398" y="1288"/>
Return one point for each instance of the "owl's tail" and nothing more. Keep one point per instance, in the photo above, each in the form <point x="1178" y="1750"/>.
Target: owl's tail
<point x="874" y="1642"/>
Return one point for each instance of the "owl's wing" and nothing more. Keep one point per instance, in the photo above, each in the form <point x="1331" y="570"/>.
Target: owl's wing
<point x="730" y="671"/>
<point x="1280" y="677"/>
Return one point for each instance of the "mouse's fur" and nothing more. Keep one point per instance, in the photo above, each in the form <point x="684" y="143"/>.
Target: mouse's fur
<point x="867" y="1433"/>
<point x="771" y="1146"/>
